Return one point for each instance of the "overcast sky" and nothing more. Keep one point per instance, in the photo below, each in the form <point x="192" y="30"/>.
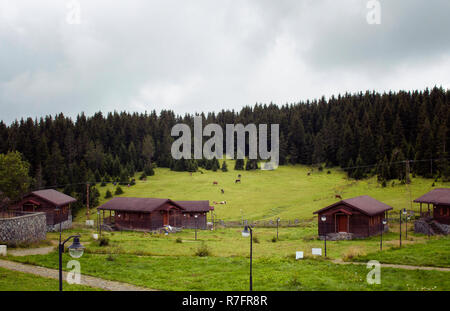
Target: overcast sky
<point x="193" y="56"/>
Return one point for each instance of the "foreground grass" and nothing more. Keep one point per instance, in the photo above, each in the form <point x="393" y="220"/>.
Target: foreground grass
<point x="231" y="273"/>
<point x="432" y="253"/>
<point x="286" y="192"/>
<point x="19" y="281"/>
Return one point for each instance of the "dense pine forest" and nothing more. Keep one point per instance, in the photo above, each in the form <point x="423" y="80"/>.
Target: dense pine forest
<point x="366" y="133"/>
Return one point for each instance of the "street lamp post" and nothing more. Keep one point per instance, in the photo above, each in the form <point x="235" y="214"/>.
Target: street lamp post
<point x="76" y="250"/>
<point x="196" y="216"/>
<point x="245" y="233"/>
<point x="278" y="221"/>
<point x="400" y="228"/>
<point x="406" y="223"/>
<point x="383" y="223"/>
<point x="324" y="218"/>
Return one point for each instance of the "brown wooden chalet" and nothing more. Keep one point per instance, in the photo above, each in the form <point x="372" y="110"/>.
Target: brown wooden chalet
<point x="439" y="199"/>
<point x="153" y="213"/>
<point x="362" y="216"/>
<point x="55" y="204"/>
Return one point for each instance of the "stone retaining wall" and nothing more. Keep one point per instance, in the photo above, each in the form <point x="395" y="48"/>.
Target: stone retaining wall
<point x="27" y="228"/>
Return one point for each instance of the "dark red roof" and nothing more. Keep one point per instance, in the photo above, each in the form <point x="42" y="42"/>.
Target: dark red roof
<point x="136" y="204"/>
<point x="55" y="197"/>
<point x="435" y="196"/>
<point x="194" y="206"/>
<point x="365" y="204"/>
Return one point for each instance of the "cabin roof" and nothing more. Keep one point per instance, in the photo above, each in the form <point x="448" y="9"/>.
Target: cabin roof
<point x="195" y="206"/>
<point x="150" y="204"/>
<point x="435" y="196"/>
<point x="365" y="204"/>
<point x="135" y="204"/>
<point x="55" y="197"/>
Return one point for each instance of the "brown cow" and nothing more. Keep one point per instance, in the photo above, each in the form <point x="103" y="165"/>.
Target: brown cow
<point x="338" y="196"/>
<point x="237" y="181"/>
<point x="215" y="183"/>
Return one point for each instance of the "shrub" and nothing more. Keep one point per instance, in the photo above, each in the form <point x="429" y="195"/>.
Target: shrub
<point x="274" y="239"/>
<point x="255" y="239"/>
<point x="143" y="176"/>
<point x="110" y="257"/>
<point x="179" y="240"/>
<point x="108" y="194"/>
<point x="103" y="184"/>
<point x="203" y="251"/>
<point x="103" y="241"/>
<point x="118" y="190"/>
<point x="328" y="172"/>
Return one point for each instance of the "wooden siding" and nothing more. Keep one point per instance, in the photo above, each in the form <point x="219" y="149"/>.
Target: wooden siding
<point x="441" y="213"/>
<point x="359" y="224"/>
<point x="52" y="215"/>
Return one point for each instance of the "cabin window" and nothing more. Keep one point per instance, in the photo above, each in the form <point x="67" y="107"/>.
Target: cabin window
<point x="441" y="211"/>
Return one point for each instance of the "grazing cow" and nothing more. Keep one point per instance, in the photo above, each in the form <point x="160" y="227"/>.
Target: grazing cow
<point x="237" y="181"/>
<point x="239" y="176"/>
<point x="309" y="173"/>
<point x="215" y="183"/>
<point x="223" y="202"/>
<point x="214" y="202"/>
<point x="223" y="191"/>
<point x="338" y="196"/>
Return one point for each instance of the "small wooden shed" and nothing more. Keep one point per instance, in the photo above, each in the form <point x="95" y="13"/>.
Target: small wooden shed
<point x="362" y="216"/>
<point x="439" y="199"/>
<point x="55" y="204"/>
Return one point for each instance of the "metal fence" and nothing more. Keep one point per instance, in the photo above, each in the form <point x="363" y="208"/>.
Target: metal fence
<point x="262" y="223"/>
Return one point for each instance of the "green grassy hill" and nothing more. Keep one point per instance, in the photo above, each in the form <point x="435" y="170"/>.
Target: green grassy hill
<point x="287" y="192"/>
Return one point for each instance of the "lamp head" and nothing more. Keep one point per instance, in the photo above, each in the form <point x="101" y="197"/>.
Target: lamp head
<point x="323" y="218"/>
<point x="245" y="232"/>
<point x="404" y="211"/>
<point x="384" y="221"/>
<point x="196" y="216"/>
<point x="76" y="250"/>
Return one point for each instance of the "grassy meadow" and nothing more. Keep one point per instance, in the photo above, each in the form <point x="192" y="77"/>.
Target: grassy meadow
<point x="174" y="261"/>
<point x="287" y="192"/>
<point x="18" y="281"/>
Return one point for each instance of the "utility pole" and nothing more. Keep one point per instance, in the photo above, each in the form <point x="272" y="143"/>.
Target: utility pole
<point x="87" y="201"/>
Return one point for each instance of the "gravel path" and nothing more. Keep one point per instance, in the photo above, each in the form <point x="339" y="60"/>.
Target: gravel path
<point x="386" y="265"/>
<point x="85" y="280"/>
<point x="31" y="251"/>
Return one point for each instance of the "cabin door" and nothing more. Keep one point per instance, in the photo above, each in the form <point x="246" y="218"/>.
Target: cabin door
<point x="165" y="219"/>
<point x="342" y="223"/>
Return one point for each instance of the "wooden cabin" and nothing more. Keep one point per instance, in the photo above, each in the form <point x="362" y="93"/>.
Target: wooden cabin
<point x="55" y="204"/>
<point x="362" y="216"/>
<point x="439" y="199"/>
<point x="153" y="213"/>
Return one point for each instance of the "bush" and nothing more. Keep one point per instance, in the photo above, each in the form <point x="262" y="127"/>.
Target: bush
<point x="203" y="251"/>
<point x="118" y="190"/>
<point x="255" y="239"/>
<point x="274" y="239"/>
<point x="328" y="172"/>
<point x="103" y="184"/>
<point x="103" y="242"/>
<point x="143" y="176"/>
<point x="108" y="194"/>
<point x="179" y="240"/>
<point x="110" y="257"/>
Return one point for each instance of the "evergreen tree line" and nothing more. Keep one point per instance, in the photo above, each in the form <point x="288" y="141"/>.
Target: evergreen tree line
<point x="363" y="129"/>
